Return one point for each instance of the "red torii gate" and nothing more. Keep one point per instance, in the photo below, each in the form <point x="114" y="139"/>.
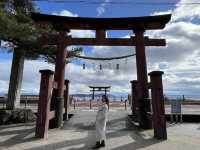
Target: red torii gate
<point x="138" y="24"/>
<point x="104" y="89"/>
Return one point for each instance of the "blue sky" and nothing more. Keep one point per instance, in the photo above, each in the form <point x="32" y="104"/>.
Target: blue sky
<point x="179" y="59"/>
<point x="112" y="10"/>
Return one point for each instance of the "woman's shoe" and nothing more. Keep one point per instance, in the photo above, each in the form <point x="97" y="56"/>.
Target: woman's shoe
<point x="103" y="143"/>
<point x="98" y="145"/>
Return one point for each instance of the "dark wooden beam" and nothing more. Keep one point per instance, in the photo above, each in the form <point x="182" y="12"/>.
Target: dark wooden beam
<point x="113" y="41"/>
<point x="99" y="41"/>
<point x="99" y="87"/>
<point x="100" y="34"/>
<point x="99" y="90"/>
<point x="129" y="23"/>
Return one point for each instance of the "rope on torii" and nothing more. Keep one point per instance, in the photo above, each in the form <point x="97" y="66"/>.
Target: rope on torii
<point x="103" y="58"/>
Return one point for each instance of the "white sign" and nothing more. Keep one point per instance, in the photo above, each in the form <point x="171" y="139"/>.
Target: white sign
<point x="176" y="106"/>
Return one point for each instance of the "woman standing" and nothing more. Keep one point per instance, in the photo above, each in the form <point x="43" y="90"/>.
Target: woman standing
<point x="101" y="119"/>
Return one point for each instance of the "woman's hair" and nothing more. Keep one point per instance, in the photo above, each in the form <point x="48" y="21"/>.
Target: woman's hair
<point x="106" y="99"/>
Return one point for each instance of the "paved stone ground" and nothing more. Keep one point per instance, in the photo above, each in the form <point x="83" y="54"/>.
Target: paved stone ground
<point x="78" y="134"/>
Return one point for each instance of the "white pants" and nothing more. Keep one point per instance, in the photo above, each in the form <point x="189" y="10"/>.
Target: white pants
<point x="101" y="120"/>
<point x="101" y="130"/>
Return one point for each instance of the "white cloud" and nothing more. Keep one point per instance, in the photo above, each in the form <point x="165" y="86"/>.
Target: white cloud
<point x="75" y="33"/>
<point x="65" y="13"/>
<point x="83" y="33"/>
<point x="31" y="75"/>
<point x="162" y="12"/>
<point x="184" y="10"/>
<point x="104" y="77"/>
<point x="181" y="57"/>
<point x="187" y="11"/>
<point x="4" y="77"/>
<point x="79" y="79"/>
<point x="101" y="9"/>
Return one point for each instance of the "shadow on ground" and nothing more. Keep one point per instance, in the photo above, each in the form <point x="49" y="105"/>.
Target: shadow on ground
<point x="135" y="138"/>
<point x="87" y="142"/>
<point x="18" y="133"/>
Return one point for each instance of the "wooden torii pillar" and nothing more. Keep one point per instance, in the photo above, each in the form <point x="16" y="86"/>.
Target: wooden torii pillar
<point x="158" y="105"/>
<point x="58" y="94"/>
<point x="142" y="78"/>
<point x="66" y="101"/>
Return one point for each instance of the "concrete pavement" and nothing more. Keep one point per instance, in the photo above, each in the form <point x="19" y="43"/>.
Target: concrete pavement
<point x="79" y="134"/>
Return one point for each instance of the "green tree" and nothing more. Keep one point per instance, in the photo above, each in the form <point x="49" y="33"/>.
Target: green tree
<point x="17" y="29"/>
<point x="23" y="38"/>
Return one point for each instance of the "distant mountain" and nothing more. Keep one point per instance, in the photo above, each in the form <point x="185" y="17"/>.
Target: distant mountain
<point x="90" y="95"/>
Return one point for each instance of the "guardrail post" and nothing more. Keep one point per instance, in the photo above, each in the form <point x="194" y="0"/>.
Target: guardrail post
<point x="46" y="86"/>
<point x="25" y="105"/>
<point x="159" y="120"/>
<point x="66" y="102"/>
<point x="4" y="103"/>
<point x="74" y="104"/>
<point x="125" y="102"/>
<point x="90" y="104"/>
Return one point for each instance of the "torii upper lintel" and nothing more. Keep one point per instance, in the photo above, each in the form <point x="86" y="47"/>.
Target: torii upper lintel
<point x="84" y="23"/>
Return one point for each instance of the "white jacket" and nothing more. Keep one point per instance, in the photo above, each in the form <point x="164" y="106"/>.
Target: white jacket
<point x="101" y="120"/>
